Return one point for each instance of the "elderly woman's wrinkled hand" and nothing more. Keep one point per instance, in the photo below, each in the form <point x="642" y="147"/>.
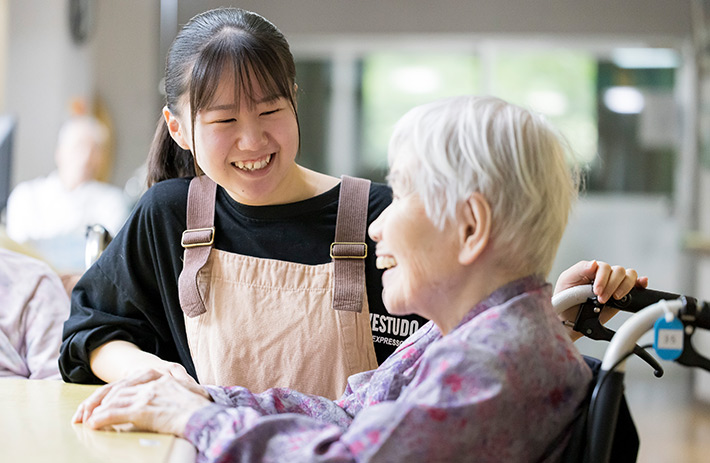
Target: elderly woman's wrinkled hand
<point x="149" y="401"/>
<point x="607" y="281"/>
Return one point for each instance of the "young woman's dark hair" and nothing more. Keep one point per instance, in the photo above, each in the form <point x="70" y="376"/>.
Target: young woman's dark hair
<point x="225" y="39"/>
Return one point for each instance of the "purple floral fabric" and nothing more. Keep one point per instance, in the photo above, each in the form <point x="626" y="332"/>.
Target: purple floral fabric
<point x="503" y="386"/>
<point x="33" y="307"/>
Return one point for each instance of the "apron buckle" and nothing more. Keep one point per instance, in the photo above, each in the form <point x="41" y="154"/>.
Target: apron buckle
<point x="348" y="250"/>
<point x="197" y="237"/>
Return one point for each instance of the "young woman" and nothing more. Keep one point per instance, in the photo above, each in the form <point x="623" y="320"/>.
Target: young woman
<point x="239" y="266"/>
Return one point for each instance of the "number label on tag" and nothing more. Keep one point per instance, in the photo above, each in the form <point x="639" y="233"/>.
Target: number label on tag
<point x="668" y="338"/>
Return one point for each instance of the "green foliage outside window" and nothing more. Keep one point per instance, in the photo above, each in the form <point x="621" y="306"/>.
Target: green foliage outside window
<point x="559" y="84"/>
<point x="393" y="83"/>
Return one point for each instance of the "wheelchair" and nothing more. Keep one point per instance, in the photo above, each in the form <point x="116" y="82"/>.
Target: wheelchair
<point x="603" y="430"/>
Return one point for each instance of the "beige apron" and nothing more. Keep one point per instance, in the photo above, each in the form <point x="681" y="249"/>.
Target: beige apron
<point x="266" y="323"/>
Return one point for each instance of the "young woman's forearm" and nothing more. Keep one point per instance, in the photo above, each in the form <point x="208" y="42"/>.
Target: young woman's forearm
<point x="117" y="360"/>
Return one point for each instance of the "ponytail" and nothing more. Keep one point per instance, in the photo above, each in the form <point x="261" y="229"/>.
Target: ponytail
<point x="166" y="158"/>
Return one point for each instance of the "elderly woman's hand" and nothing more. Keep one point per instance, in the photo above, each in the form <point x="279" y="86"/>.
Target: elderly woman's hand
<point x="149" y="402"/>
<point x="607" y="281"/>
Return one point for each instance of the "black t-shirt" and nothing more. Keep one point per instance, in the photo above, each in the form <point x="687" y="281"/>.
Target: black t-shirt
<point x="131" y="292"/>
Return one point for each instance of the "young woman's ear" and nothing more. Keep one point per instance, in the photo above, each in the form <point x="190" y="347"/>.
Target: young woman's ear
<point x="474" y="228"/>
<point x="175" y="128"/>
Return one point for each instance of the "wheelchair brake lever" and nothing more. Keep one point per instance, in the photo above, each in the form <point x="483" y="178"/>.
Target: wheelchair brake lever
<point x="650" y="359"/>
<point x="689" y="357"/>
<point x="587" y="323"/>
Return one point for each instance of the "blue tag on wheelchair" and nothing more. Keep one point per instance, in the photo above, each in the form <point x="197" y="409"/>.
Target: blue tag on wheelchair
<point x="668" y="338"/>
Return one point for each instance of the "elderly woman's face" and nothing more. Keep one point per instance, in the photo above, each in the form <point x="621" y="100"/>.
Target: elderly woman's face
<point x="419" y="259"/>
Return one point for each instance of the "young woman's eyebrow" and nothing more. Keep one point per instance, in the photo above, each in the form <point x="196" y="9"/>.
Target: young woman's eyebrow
<point x="231" y="106"/>
<point x="221" y="107"/>
<point x="268" y="98"/>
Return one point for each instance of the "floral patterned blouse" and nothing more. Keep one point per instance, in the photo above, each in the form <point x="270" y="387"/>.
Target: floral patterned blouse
<point x="502" y="386"/>
<point x="33" y="307"/>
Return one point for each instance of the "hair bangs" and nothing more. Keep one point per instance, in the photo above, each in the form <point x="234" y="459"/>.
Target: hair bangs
<point x="249" y="63"/>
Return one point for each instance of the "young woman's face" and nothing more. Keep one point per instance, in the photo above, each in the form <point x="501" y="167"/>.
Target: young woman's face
<point x="249" y="150"/>
<point x="419" y="259"/>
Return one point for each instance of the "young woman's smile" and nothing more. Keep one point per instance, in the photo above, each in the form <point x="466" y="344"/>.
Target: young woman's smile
<point x="254" y="165"/>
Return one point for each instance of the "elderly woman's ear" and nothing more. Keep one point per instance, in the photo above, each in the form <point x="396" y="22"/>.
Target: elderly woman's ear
<point x="474" y="226"/>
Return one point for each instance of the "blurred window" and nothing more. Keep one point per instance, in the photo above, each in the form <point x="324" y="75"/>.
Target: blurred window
<point x="393" y="83"/>
<point x="616" y="108"/>
<point x="558" y="84"/>
<point x="638" y="128"/>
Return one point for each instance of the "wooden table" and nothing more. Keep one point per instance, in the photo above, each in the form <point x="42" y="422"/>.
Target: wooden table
<point x="35" y="426"/>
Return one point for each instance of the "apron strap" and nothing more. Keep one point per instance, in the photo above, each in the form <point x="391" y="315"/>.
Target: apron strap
<point x="197" y="241"/>
<point x="349" y="249"/>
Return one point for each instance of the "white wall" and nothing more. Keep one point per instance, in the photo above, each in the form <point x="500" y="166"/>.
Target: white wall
<point x="4" y="34"/>
<point x="702" y="339"/>
<point x="127" y="69"/>
<point x="44" y="69"/>
<point x="566" y="17"/>
<point x="119" y="64"/>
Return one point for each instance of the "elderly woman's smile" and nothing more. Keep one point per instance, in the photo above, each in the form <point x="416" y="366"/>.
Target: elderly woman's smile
<point x="385" y="262"/>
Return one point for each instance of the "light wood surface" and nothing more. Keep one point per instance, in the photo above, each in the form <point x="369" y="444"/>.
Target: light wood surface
<point x="35" y="426"/>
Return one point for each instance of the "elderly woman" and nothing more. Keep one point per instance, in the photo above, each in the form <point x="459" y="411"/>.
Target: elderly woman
<point x="482" y="193"/>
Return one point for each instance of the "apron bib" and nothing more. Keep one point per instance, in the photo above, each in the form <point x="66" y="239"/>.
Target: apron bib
<point x="262" y="323"/>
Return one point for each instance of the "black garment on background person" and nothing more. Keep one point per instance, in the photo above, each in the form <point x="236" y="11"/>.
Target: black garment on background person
<point x="131" y="292"/>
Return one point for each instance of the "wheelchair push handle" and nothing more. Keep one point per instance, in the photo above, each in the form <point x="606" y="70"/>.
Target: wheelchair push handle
<point x="640" y="298"/>
<point x="692" y="313"/>
<point x="697" y="312"/>
<point x="635" y="300"/>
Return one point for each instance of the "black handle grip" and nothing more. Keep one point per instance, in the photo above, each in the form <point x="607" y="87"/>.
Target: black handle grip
<point x="697" y="313"/>
<point x="638" y="298"/>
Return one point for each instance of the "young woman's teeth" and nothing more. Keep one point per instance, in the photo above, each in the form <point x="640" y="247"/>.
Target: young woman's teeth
<point x="385" y="262"/>
<point x="253" y="165"/>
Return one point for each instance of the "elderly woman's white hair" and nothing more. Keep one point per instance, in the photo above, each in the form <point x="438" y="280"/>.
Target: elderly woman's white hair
<point x="513" y="157"/>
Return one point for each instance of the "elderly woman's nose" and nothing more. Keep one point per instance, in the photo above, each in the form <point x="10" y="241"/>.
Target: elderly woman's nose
<point x="375" y="229"/>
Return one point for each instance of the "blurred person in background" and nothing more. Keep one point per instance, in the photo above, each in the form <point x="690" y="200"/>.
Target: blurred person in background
<point x="52" y="213"/>
<point x="33" y="307"/>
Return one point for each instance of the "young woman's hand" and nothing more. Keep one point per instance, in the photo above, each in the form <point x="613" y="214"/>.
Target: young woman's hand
<point x="151" y="401"/>
<point x="607" y="281"/>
